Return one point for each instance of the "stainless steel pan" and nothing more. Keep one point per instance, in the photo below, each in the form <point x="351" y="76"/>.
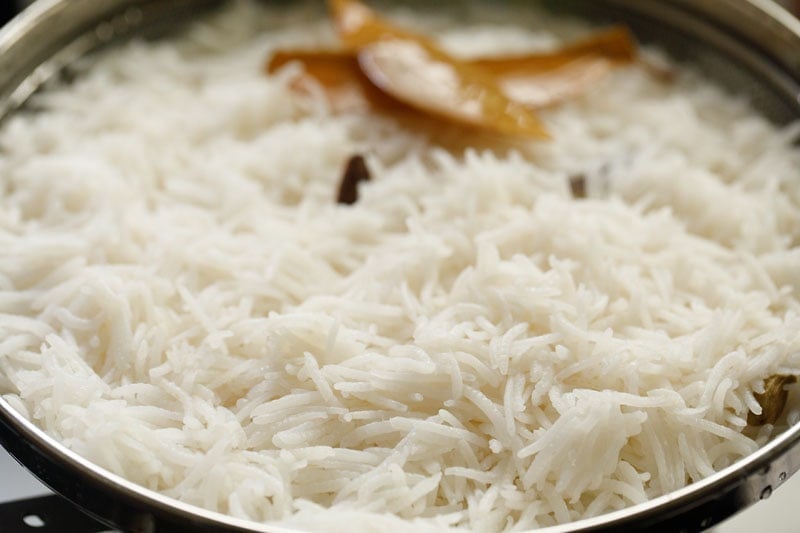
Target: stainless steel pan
<point x="752" y="46"/>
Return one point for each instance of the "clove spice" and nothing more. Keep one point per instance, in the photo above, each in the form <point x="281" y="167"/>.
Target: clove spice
<point x="355" y="172"/>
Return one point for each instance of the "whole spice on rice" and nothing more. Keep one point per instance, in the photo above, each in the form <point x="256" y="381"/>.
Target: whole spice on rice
<point x="389" y="68"/>
<point x="537" y="80"/>
<point x="772" y="400"/>
<point x="354" y="173"/>
<point x="577" y="185"/>
<point x="416" y="71"/>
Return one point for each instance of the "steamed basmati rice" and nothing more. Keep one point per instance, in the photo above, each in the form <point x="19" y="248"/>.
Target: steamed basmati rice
<point x="183" y="302"/>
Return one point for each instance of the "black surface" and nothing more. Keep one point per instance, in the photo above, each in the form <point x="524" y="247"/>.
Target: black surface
<point x="46" y="514"/>
<point x="7" y="10"/>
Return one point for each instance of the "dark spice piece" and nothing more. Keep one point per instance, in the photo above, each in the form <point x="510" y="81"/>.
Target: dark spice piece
<point x="772" y="401"/>
<point x="355" y="172"/>
<point x="577" y="185"/>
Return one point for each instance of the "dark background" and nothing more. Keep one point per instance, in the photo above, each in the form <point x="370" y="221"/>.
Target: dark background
<point x="7" y="10"/>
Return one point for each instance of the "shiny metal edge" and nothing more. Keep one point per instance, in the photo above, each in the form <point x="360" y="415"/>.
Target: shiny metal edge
<point x="746" y="41"/>
<point x="724" y="493"/>
<point x="775" y="33"/>
<point x="38" y="36"/>
<point x="17" y="47"/>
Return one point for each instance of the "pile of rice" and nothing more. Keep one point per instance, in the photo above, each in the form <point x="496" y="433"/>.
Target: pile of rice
<point x="183" y="303"/>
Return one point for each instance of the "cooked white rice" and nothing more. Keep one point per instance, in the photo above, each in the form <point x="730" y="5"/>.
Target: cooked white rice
<point x="183" y="303"/>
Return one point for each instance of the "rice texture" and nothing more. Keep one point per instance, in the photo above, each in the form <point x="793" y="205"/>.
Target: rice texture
<point x="183" y="302"/>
